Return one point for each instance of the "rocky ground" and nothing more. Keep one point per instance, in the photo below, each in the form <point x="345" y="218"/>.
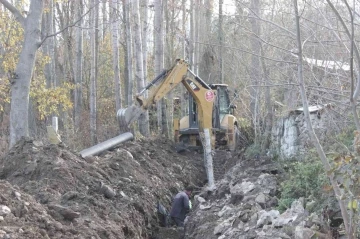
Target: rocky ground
<point x="48" y="191"/>
<point x="243" y="206"/>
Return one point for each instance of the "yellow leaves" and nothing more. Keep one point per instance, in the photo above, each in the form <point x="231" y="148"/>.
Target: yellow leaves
<point x="11" y="38"/>
<point x="348" y="158"/>
<point x="353" y="205"/>
<point x="338" y="160"/>
<point x="49" y="101"/>
<point x="342" y="159"/>
<point x="4" y="93"/>
<point x="47" y="10"/>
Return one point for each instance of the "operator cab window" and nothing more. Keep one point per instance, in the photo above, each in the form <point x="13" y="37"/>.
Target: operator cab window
<point x="224" y="101"/>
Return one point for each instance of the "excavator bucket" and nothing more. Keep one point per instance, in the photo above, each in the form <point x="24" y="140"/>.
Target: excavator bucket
<point x="128" y="115"/>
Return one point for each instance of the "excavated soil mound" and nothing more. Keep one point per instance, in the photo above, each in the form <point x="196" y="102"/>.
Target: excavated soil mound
<point x="50" y="192"/>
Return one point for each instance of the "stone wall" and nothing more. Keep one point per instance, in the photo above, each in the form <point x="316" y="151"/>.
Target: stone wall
<point x="290" y="136"/>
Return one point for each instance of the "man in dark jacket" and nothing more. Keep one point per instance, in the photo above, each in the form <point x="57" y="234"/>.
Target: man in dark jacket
<point x="181" y="206"/>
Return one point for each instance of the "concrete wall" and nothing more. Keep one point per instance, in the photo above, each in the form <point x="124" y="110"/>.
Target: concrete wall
<point x="290" y="137"/>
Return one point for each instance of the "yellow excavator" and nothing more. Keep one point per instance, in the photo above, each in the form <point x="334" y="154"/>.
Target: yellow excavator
<point x="209" y="108"/>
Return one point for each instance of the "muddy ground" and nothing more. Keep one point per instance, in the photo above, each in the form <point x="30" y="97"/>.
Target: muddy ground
<point x="49" y="191"/>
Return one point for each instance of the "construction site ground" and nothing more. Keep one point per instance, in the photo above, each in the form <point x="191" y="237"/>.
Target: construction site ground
<point x="49" y="191"/>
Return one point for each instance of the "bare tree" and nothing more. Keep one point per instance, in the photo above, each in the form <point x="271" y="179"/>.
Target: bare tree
<point x="268" y="105"/>
<point x="139" y="72"/>
<point x="255" y="65"/>
<point x="104" y="17"/>
<point x="48" y="46"/>
<point x="78" y="66"/>
<point x="354" y="49"/>
<point x="20" y="87"/>
<point x="114" y="22"/>
<point x="128" y="57"/>
<point x="159" y="53"/>
<point x="221" y="33"/>
<point x="93" y="108"/>
<point x="65" y="14"/>
<point x="145" y="33"/>
<point x="197" y="17"/>
<point x="314" y="138"/>
<point x="207" y="63"/>
<point x="192" y="35"/>
<point x="184" y="55"/>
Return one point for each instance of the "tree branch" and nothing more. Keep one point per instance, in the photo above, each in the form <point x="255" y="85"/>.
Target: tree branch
<point x="245" y="51"/>
<point x="14" y="11"/>
<point x="355" y="49"/>
<point x="68" y="26"/>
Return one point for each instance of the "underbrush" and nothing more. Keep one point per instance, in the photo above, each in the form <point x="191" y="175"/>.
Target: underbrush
<point x="305" y="179"/>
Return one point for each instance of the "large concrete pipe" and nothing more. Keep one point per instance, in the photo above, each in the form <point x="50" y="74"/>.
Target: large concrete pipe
<point x="97" y="149"/>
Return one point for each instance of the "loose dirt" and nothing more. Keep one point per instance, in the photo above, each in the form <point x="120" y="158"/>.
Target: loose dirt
<point x="49" y="191"/>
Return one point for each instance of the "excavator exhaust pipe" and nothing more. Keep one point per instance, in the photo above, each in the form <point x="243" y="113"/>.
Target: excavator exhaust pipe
<point x="97" y="149"/>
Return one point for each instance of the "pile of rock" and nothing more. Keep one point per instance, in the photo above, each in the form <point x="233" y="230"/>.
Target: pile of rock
<point x="244" y="206"/>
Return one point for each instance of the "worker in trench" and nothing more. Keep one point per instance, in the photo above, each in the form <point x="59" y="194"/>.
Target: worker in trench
<point x="181" y="206"/>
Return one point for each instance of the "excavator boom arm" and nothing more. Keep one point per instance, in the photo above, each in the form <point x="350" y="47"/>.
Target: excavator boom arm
<point x="169" y="80"/>
<point x="200" y="91"/>
<point x="162" y="85"/>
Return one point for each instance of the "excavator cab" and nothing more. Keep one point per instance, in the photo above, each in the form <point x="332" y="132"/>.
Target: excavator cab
<point x="187" y="129"/>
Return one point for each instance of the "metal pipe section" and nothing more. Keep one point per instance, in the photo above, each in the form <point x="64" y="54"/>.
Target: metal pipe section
<point x="98" y="148"/>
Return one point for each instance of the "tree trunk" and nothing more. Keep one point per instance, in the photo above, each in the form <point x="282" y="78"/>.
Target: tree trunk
<point x="20" y="87"/>
<point x="115" y="50"/>
<point x="128" y="57"/>
<point x="197" y="16"/>
<point x="78" y="67"/>
<point x="93" y="109"/>
<point x="221" y="33"/>
<point x="184" y="49"/>
<point x="139" y="72"/>
<point x="255" y="66"/>
<point x="55" y="77"/>
<point x="206" y="56"/>
<point x="159" y="53"/>
<point x="145" y="36"/>
<point x="268" y="106"/>
<point x="48" y="45"/>
<point x="65" y="11"/>
<point x="104" y="18"/>
<point x="192" y="36"/>
<point x="167" y="107"/>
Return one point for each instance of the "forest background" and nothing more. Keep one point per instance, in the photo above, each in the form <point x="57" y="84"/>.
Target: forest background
<point x="82" y="60"/>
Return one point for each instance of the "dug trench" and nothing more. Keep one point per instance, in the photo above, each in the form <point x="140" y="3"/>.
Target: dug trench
<point x="49" y="191"/>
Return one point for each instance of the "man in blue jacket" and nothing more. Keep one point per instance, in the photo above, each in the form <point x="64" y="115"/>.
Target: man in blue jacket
<point x="181" y="206"/>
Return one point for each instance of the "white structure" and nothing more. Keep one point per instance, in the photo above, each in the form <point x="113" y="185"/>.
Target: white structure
<point x="290" y="137"/>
